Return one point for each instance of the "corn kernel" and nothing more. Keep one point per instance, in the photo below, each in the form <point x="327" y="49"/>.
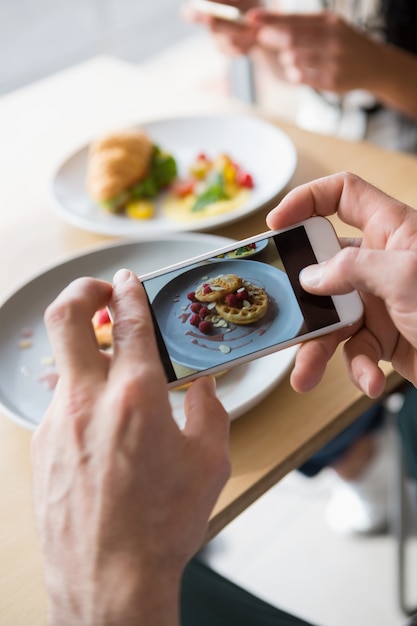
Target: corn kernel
<point x="140" y="210"/>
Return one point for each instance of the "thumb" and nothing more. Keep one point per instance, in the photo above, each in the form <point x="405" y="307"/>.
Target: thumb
<point x="370" y="271"/>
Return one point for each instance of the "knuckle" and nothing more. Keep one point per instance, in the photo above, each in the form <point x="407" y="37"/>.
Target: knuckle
<point x="126" y="397"/>
<point x="129" y="327"/>
<point x="225" y="467"/>
<point x="409" y="267"/>
<point x="67" y="305"/>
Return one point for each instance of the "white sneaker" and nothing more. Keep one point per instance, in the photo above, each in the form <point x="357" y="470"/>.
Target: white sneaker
<point x="361" y="506"/>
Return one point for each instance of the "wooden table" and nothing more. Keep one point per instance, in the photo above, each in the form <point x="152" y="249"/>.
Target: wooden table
<point x="41" y="124"/>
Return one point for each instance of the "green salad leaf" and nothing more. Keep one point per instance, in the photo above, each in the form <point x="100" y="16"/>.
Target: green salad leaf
<point x="163" y="170"/>
<point x="214" y="192"/>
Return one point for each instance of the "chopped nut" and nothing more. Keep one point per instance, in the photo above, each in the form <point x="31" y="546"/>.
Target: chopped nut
<point x="25" y="344"/>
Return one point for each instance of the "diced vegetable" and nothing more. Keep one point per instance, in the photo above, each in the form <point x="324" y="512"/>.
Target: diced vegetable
<point x="214" y="192"/>
<point x="183" y="188"/>
<point x="140" y="209"/>
<point x="244" y="179"/>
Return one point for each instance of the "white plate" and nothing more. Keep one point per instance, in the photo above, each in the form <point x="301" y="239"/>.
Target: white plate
<point x="262" y="149"/>
<point x="24" y="398"/>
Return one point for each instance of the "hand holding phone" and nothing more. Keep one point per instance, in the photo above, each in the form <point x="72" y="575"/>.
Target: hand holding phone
<point x="243" y="301"/>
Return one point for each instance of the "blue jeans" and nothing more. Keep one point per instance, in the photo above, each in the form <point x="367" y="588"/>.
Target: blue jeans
<point x="335" y="449"/>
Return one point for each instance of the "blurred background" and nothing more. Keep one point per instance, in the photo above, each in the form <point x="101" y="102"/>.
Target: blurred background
<point x="39" y="37"/>
<point x="281" y="547"/>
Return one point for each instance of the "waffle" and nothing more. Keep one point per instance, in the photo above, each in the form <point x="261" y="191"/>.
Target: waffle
<point x="220" y="286"/>
<point x="250" y="312"/>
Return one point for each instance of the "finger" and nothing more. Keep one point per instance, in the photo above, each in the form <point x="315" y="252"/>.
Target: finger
<point x="290" y="21"/>
<point x="320" y="197"/>
<point x="233" y="46"/>
<point x="311" y="362"/>
<point x="207" y="419"/>
<point x="368" y="271"/>
<point x="68" y="322"/>
<point x="344" y="193"/>
<point x="134" y="342"/>
<point x="362" y="354"/>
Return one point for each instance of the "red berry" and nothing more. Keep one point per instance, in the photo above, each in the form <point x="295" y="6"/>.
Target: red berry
<point x="207" y="288"/>
<point x="242" y="294"/>
<point x="195" y="307"/>
<point x="191" y="295"/>
<point x="231" y="300"/>
<point x="195" y="320"/>
<point x="102" y="317"/>
<point x="203" y="312"/>
<point x="204" y="327"/>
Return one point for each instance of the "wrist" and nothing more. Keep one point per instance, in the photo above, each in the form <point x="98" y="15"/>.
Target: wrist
<point x="394" y="83"/>
<point x="130" y="595"/>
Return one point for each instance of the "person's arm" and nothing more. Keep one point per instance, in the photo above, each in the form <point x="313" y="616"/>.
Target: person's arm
<point x="122" y="495"/>
<point x="395" y="84"/>
<point x="382" y="266"/>
<point x="325" y="52"/>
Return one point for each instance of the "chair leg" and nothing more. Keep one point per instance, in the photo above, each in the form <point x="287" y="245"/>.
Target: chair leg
<point x="402" y="535"/>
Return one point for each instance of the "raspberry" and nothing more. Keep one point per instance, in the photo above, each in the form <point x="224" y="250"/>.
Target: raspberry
<point x="195" y="320"/>
<point x="204" y="327"/>
<point x="191" y="296"/>
<point x="203" y="312"/>
<point x="232" y="300"/>
<point x="207" y="288"/>
<point x="242" y="294"/>
<point x="195" y="307"/>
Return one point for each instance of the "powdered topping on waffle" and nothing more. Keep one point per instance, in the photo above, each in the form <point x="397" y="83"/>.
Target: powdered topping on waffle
<point x="214" y="289"/>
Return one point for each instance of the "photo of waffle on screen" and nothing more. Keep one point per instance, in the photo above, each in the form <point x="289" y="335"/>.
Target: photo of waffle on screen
<point x="217" y="311"/>
<point x="232" y="299"/>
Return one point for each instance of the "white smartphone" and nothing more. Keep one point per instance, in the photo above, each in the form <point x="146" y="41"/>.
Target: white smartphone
<point x="217" y="9"/>
<point x="243" y="301"/>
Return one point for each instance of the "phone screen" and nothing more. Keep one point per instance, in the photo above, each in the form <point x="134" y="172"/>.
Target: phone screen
<point x="236" y="304"/>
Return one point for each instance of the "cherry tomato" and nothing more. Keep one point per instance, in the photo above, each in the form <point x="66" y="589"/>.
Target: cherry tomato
<point x="244" y="179"/>
<point x="183" y="188"/>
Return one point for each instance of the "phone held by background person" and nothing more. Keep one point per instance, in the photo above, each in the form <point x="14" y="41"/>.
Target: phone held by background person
<point x="243" y="301"/>
<point x="217" y="9"/>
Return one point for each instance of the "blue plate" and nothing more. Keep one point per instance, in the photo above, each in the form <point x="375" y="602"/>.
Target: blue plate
<point x="190" y="348"/>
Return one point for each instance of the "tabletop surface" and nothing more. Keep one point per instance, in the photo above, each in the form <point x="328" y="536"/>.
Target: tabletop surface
<point x="43" y="123"/>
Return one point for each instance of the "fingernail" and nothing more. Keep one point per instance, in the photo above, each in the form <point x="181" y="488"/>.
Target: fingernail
<point x="363" y="383"/>
<point x="311" y="276"/>
<point x="212" y="382"/>
<point x="121" y="276"/>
